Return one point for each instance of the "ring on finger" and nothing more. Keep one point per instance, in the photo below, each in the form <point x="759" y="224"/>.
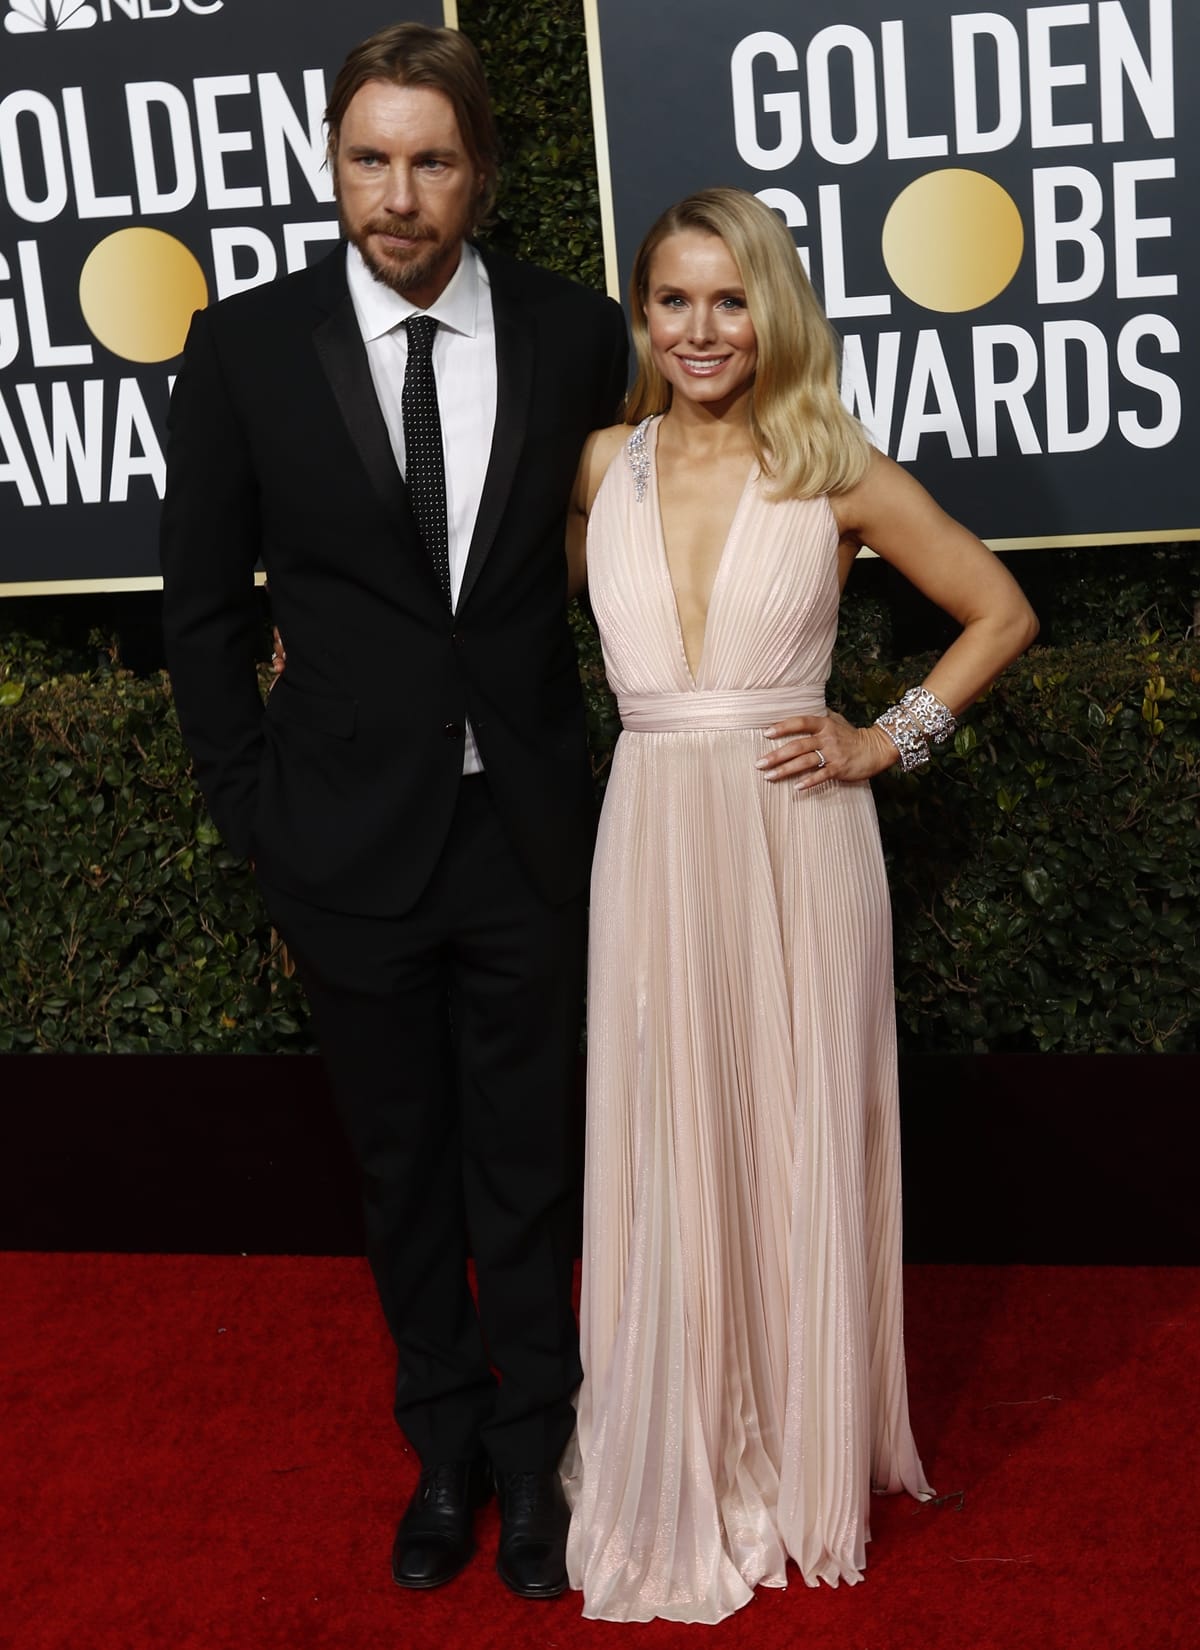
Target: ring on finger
<point x="820" y="756"/>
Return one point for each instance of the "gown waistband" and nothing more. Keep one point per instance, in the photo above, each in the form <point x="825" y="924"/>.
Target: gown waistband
<point x="702" y="708"/>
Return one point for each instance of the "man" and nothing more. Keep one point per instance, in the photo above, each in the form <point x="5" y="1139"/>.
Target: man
<point x="415" y="795"/>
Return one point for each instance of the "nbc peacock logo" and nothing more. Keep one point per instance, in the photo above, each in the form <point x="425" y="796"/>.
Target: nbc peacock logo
<point x="45" y="16"/>
<point x="56" y="16"/>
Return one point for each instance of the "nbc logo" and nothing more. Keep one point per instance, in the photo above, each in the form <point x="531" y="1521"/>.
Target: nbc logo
<point x="37" y="16"/>
<point x="49" y="16"/>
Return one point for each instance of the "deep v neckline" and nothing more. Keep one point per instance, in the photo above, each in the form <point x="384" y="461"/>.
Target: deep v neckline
<point x="665" y="566"/>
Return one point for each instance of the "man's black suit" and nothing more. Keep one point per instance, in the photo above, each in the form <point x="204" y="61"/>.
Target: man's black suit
<point x="437" y="921"/>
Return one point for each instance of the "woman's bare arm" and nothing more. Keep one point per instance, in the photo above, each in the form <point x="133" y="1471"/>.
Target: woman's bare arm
<point x="601" y="447"/>
<point x="896" y="517"/>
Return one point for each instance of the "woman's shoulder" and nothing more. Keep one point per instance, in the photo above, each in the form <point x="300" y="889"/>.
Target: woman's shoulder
<point x="609" y="442"/>
<point x="601" y="448"/>
<point x="884" y="485"/>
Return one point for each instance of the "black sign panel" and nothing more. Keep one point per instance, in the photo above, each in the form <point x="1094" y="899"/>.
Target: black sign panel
<point x="154" y="155"/>
<point x="997" y="206"/>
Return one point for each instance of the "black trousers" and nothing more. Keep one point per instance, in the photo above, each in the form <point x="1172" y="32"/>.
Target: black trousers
<point x="450" y="1035"/>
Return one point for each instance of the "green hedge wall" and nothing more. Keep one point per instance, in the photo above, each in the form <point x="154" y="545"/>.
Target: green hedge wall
<point x="1044" y="875"/>
<point x="124" y="924"/>
<point x="549" y="206"/>
<point x="1045" y="881"/>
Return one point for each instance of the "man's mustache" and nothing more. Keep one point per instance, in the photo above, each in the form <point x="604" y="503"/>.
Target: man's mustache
<point x="411" y="229"/>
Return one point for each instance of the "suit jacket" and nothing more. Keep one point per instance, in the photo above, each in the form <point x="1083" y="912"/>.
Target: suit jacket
<point x="344" y="784"/>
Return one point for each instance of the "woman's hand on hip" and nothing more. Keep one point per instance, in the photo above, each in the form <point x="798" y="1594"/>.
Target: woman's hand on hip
<point x="812" y="750"/>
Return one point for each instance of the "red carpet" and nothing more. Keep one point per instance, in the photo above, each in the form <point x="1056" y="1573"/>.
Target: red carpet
<point x="197" y="1454"/>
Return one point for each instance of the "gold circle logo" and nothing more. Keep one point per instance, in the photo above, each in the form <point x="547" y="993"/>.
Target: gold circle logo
<point x="953" y="240"/>
<point x="138" y="291"/>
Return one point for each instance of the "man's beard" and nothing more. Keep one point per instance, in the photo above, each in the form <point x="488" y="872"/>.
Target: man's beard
<point x="416" y="268"/>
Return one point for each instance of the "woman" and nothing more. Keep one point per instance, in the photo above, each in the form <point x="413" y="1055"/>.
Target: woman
<point x="742" y="1316"/>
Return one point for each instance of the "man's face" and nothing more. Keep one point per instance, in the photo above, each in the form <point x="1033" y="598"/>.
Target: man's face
<point x="406" y="187"/>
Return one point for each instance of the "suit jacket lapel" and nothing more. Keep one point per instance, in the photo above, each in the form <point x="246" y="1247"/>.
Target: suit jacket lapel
<point x="339" y="346"/>
<point x="514" y="384"/>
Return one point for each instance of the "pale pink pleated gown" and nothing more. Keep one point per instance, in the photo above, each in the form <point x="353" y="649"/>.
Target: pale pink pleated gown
<point x="742" y="1318"/>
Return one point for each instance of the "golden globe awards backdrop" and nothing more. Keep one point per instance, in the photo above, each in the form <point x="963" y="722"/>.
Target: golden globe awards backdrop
<point x="998" y="207"/>
<point x="155" y="155"/>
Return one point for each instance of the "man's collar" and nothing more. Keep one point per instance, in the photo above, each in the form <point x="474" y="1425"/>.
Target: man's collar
<point x="379" y="310"/>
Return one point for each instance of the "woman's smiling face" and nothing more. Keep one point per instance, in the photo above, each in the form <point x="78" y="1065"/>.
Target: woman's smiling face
<point x="701" y="334"/>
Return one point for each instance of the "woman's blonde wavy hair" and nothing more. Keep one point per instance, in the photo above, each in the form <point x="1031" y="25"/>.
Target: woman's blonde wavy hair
<point x="804" y="439"/>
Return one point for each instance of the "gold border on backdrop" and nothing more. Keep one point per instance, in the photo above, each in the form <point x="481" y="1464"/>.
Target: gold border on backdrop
<point x="1088" y="541"/>
<point x="91" y="587"/>
<point x="79" y="587"/>
<point x="1068" y="541"/>
<point x="1074" y="541"/>
<point x="608" y="222"/>
<point x="1085" y="541"/>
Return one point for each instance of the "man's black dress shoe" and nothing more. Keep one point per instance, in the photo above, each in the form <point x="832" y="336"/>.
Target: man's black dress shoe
<point x="436" y="1536"/>
<point x="532" y="1557"/>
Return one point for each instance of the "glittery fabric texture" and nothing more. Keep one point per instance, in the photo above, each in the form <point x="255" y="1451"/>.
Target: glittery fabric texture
<point x="742" y="1330"/>
<point x="425" y="471"/>
<point x="639" y="459"/>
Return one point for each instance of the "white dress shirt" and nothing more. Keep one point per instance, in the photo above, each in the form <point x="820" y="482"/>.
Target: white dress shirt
<point x="464" y="365"/>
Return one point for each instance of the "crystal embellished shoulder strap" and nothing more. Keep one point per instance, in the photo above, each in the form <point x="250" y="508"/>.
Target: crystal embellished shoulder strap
<point x="639" y="458"/>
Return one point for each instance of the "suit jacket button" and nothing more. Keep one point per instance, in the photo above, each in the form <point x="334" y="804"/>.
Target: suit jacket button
<point x="453" y="730"/>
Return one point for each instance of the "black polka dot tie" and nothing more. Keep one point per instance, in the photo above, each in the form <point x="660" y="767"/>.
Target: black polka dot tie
<point x="424" y="465"/>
